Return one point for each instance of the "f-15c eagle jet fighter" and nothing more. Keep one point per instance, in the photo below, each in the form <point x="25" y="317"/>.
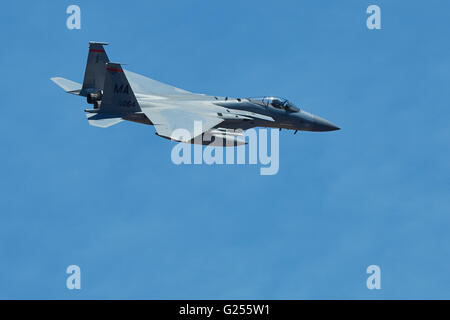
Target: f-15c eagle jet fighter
<point x="118" y="94"/>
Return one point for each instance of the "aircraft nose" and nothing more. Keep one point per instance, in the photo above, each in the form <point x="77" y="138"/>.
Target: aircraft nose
<point x="321" y="124"/>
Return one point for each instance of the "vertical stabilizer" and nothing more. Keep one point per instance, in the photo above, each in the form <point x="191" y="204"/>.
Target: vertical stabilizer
<point x="94" y="76"/>
<point x="117" y="93"/>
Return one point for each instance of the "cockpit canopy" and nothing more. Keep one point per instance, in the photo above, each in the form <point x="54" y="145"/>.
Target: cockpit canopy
<point x="276" y="102"/>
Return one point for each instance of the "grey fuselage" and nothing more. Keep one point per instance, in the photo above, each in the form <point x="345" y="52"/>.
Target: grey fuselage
<point x="240" y="113"/>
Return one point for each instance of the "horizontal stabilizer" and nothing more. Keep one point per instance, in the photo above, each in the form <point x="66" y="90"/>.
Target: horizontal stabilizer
<point x="103" y="120"/>
<point x="68" y="85"/>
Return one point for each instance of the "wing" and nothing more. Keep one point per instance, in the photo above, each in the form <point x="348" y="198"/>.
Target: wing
<point x="142" y="85"/>
<point x="168" y="119"/>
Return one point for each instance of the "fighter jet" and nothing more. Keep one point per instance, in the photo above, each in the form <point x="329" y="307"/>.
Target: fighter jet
<point x="117" y="94"/>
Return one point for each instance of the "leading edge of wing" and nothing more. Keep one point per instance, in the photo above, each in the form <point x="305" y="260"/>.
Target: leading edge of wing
<point x="143" y="85"/>
<point x="167" y="120"/>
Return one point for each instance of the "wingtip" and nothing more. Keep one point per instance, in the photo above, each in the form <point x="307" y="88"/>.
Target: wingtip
<point x="98" y="42"/>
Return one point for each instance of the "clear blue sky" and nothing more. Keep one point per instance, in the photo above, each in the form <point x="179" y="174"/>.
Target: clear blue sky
<point x="112" y="202"/>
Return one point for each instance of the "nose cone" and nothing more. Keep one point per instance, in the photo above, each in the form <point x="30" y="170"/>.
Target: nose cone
<point x="320" y="124"/>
